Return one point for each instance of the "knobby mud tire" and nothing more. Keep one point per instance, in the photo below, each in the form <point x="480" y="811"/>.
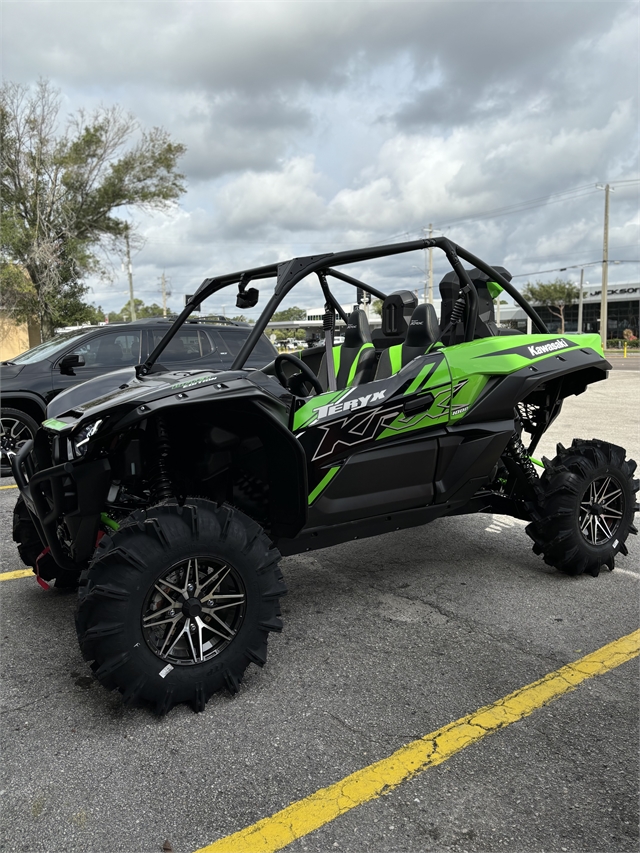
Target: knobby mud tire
<point x="30" y="547"/>
<point x="127" y="568"/>
<point x="569" y="481"/>
<point x="25" y="535"/>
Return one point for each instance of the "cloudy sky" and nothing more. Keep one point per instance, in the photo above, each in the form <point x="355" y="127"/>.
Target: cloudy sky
<point x="321" y="126"/>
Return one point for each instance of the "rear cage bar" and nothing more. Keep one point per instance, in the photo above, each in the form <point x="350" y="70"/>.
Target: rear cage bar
<point x="289" y="273"/>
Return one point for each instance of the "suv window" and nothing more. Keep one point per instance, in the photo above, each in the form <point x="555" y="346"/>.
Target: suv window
<point x="48" y="348"/>
<point x="113" y="350"/>
<point x="187" y="345"/>
<point x="230" y="341"/>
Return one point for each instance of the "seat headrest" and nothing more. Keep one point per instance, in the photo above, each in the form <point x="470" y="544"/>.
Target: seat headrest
<point x="357" y="331"/>
<point x="423" y="326"/>
<point x="449" y="289"/>
<point x="396" y="311"/>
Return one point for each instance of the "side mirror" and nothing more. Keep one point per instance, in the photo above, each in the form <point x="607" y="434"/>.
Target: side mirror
<point x="69" y="362"/>
<point x="247" y="298"/>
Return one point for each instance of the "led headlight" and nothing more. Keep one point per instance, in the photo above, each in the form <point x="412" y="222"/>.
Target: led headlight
<point x="80" y="441"/>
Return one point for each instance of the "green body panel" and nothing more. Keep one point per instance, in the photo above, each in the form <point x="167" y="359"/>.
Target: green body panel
<point x="307" y="414"/>
<point x="429" y="380"/>
<point x="496" y="356"/>
<point x="322" y="485"/>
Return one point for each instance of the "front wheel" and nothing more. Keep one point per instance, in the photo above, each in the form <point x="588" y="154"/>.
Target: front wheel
<point x="16" y="427"/>
<point x="178" y="602"/>
<point x="586" y="507"/>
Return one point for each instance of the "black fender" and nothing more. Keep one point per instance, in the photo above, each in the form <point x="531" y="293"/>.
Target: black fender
<point x="26" y="401"/>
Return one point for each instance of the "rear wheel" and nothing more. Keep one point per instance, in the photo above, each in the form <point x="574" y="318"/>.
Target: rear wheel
<point x="178" y="602"/>
<point x="16" y="427"/>
<point x="586" y="508"/>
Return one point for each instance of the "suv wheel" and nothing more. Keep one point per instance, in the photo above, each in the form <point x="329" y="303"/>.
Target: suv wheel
<point x="178" y="602"/>
<point x="16" y="427"/>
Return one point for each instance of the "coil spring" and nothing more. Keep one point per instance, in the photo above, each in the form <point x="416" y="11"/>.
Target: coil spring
<point x="518" y="452"/>
<point x="457" y="313"/>
<point x="160" y="483"/>
<point x="328" y="319"/>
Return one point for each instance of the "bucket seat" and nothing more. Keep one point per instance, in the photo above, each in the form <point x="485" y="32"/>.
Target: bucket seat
<point x="423" y="331"/>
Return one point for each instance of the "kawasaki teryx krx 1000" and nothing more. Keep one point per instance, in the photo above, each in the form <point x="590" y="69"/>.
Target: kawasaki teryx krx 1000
<point x="170" y="495"/>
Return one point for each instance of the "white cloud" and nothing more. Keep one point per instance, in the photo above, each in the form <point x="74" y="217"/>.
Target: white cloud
<point x="261" y="202"/>
<point x="317" y="126"/>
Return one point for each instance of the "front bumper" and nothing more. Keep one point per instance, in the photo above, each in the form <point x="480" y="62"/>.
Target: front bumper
<point x="65" y="501"/>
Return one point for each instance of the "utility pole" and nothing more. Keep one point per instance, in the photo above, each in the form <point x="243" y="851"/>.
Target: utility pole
<point x="604" y="318"/>
<point x="163" y="283"/>
<point x="430" y="267"/>
<point x="132" y="304"/>
<point x="580" y="301"/>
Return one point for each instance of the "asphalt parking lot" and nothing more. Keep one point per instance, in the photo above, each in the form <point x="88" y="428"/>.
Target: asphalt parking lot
<point x="385" y="641"/>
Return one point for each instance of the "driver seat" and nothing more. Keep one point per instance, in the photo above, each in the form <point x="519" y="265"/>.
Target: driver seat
<point x="355" y="359"/>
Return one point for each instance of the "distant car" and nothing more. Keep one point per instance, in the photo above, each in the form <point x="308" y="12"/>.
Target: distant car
<point x="32" y="379"/>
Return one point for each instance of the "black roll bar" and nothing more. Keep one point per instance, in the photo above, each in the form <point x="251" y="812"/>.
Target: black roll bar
<point x="289" y="273"/>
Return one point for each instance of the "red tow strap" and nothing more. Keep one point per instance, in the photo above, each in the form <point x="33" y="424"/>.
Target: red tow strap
<point x="42" y="582"/>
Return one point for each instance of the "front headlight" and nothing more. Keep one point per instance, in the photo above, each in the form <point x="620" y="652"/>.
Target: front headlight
<point x="80" y="441"/>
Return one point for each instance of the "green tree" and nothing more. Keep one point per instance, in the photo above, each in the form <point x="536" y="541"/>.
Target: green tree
<point x="142" y="310"/>
<point x="556" y="296"/>
<point x="290" y="314"/>
<point x="60" y="191"/>
<point x="376" y="306"/>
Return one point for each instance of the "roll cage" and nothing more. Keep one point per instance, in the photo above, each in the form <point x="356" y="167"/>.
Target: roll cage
<point x="289" y="273"/>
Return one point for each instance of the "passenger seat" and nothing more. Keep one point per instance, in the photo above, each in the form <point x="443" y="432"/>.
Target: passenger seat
<point x="423" y="331"/>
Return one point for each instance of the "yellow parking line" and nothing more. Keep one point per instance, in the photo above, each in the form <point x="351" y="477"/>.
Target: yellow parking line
<point x="8" y="487"/>
<point x="300" y="818"/>
<point x="20" y="573"/>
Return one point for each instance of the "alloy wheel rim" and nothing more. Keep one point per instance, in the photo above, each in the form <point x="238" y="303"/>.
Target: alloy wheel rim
<point x="13" y="434"/>
<point x="601" y="510"/>
<point x="193" y="611"/>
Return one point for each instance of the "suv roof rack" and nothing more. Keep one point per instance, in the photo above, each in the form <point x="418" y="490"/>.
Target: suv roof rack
<point x="215" y="319"/>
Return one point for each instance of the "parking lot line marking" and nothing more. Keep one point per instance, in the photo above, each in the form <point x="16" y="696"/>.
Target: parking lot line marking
<point x="627" y="572"/>
<point x="304" y="816"/>
<point x="20" y="573"/>
<point x="8" y="487"/>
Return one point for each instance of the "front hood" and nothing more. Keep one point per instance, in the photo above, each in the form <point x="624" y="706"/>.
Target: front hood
<point x="105" y="394"/>
<point x="79" y="395"/>
<point x="9" y="371"/>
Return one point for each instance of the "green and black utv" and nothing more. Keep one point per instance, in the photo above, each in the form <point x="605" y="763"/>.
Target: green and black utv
<point x="170" y="496"/>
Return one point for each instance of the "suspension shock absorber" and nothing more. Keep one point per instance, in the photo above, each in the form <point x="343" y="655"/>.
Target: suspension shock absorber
<point x="518" y="452"/>
<point x="160" y="482"/>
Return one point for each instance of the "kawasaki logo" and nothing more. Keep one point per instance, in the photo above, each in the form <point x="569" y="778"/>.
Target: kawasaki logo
<point x="347" y="405"/>
<point x="543" y="349"/>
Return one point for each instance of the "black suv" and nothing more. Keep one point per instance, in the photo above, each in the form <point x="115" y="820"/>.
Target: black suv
<point x="31" y="380"/>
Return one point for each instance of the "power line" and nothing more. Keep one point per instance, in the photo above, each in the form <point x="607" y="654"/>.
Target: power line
<point x="572" y="267"/>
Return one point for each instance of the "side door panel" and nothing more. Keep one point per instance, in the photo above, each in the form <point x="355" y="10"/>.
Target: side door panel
<point x="373" y="448"/>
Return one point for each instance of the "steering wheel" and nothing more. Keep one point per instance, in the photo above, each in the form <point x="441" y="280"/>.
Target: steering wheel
<point x="306" y="371"/>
